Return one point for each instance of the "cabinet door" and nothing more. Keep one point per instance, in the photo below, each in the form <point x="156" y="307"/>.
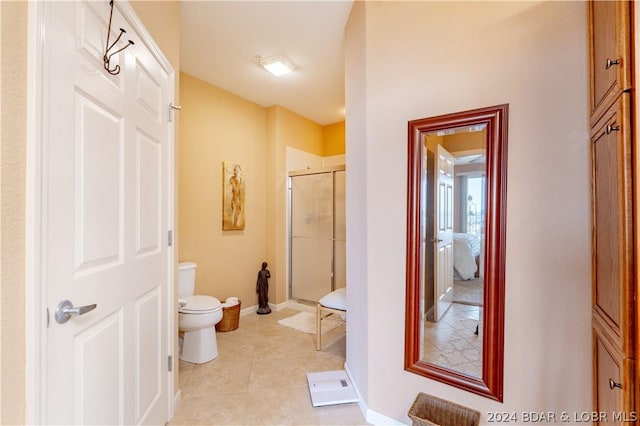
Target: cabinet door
<point x="609" y="42"/>
<point x="613" y="383"/>
<point x="612" y="228"/>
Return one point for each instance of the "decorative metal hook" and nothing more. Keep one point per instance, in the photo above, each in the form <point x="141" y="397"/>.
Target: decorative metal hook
<point x="108" y="53"/>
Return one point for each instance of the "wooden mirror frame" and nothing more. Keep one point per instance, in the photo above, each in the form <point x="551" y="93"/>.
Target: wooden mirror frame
<point x="490" y="384"/>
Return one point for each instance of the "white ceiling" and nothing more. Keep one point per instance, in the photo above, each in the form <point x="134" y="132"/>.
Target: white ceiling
<point x="220" y="39"/>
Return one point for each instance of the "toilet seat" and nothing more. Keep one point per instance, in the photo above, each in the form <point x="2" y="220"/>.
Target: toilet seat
<point x="200" y="304"/>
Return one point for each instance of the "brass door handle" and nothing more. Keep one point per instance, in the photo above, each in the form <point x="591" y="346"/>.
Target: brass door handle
<point x="613" y="384"/>
<point x="612" y="128"/>
<point x="612" y="62"/>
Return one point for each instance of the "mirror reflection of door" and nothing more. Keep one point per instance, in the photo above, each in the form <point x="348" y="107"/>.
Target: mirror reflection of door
<point x="444" y="233"/>
<point x="462" y="346"/>
<point x="455" y="180"/>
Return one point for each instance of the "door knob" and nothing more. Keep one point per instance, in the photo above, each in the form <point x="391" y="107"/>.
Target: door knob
<point x="612" y="128"/>
<point x="65" y="310"/>
<point x="612" y="62"/>
<point x="436" y="240"/>
<point x="613" y="384"/>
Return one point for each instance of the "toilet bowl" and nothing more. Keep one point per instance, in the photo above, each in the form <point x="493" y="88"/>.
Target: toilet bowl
<point x="197" y="317"/>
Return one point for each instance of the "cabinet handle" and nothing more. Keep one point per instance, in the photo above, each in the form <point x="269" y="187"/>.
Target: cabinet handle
<point x="612" y="128"/>
<point x="613" y="384"/>
<point x="612" y="62"/>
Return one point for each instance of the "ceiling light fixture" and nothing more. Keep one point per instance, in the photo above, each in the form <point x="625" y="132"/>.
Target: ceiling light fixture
<point x="276" y="65"/>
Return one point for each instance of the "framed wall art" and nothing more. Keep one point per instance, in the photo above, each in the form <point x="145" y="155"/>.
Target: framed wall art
<point x="233" y="196"/>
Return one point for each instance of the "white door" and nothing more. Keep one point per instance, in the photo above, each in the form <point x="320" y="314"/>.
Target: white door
<point x="105" y="186"/>
<point x="444" y="232"/>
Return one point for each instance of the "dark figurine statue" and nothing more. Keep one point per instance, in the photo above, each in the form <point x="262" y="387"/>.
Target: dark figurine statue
<point x="262" y="288"/>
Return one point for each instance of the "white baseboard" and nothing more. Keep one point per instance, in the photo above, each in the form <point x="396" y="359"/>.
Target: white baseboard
<point x="249" y="310"/>
<point x="253" y="309"/>
<point x="375" y="418"/>
<point x="290" y="304"/>
<point x="372" y="417"/>
<point x="361" y="403"/>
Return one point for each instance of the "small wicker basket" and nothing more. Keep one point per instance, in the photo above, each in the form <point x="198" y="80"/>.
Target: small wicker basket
<point x="230" y="318"/>
<point x="428" y="410"/>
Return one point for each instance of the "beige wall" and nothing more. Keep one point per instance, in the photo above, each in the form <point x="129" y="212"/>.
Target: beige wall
<point x="219" y="126"/>
<point x="13" y="131"/>
<point x="298" y="132"/>
<point x="162" y="19"/>
<point x="334" y="139"/>
<point x="432" y="142"/>
<point x="532" y="55"/>
<point x="465" y="141"/>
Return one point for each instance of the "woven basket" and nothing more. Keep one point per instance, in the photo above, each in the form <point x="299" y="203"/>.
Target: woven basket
<point x="230" y="318"/>
<point x="427" y="410"/>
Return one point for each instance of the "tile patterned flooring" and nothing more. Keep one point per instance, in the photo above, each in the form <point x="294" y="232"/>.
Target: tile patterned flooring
<point x="451" y="342"/>
<point x="259" y="378"/>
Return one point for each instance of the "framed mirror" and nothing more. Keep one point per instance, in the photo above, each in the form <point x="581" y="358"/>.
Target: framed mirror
<point x="456" y="224"/>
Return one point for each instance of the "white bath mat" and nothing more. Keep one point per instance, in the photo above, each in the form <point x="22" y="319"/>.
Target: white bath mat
<point x="306" y="322"/>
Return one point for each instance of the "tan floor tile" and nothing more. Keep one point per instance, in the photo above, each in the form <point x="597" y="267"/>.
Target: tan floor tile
<point x="334" y="341"/>
<point x="259" y="377"/>
<point x="285" y="344"/>
<point x="244" y="331"/>
<point x="342" y="414"/>
<point x="281" y="406"/>
<point x="270" y="373"/>
<point x="221" y="379"/>
<point x="323" y="361"/>
<point x="235" y="350"/>
<point x="211" y="410"/>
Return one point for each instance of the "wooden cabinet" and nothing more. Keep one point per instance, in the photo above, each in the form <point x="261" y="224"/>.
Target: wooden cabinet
<point x="615" y="212"/>
<point x="612" y="223"/>
<point x="613" y="381"/>
<point x="610" y="53"/>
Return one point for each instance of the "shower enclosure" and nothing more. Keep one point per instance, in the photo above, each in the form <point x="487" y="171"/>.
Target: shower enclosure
<point x="317" y="237"/>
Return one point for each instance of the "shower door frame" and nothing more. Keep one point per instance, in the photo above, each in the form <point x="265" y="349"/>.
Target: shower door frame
<point x="307" y="172"/>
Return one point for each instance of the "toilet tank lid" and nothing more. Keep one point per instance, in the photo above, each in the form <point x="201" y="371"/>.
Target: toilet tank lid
<point x="200" y="303"/>
<point x="186" y="265"/>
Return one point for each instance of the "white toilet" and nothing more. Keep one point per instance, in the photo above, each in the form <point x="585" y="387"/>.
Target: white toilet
<point x="197" y="317"/>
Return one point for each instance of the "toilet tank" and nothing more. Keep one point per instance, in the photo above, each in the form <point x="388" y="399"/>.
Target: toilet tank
<point x="186" y="279"/>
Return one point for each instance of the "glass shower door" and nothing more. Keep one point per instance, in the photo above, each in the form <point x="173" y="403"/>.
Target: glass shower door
<point x="311" y="236"/>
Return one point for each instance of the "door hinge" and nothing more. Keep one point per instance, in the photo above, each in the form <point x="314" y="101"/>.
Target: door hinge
<point x="170" y="363"/>
<point x="172" y="107"/>
<point x="170" y="238"/>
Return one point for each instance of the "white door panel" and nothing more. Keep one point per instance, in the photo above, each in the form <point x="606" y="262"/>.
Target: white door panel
<point x="443" y="293"/>
<point x="148" y="352"/>
<point x="99" y="391"/>
<point x="106" y="208"/>
<point x="99" y="186"/>
<point x="148" y="195"/>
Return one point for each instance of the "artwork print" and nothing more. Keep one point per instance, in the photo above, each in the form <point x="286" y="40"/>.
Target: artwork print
<point x="233" y="191"/>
